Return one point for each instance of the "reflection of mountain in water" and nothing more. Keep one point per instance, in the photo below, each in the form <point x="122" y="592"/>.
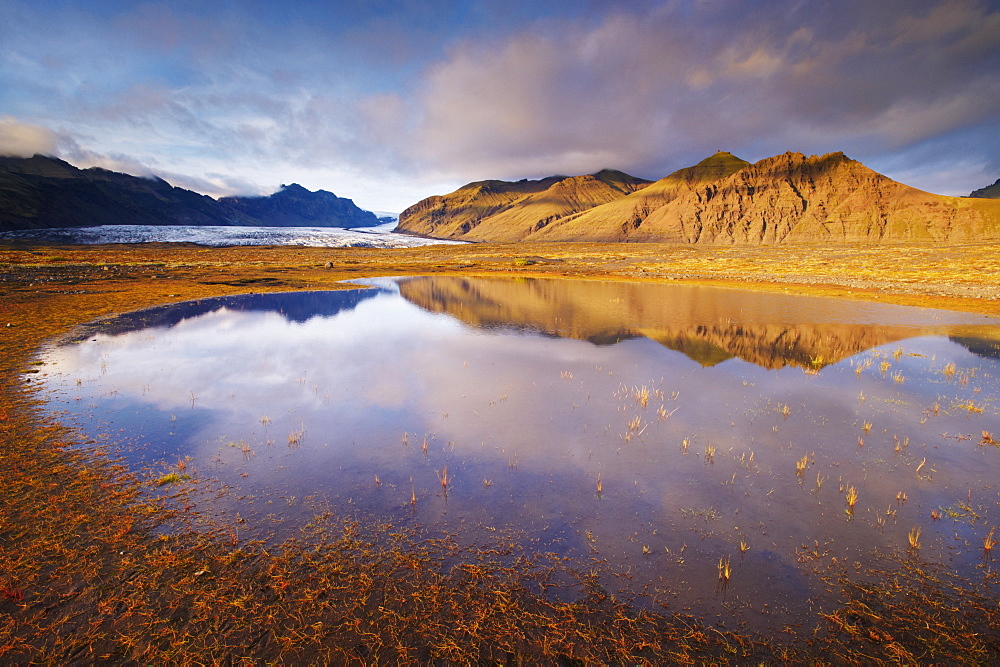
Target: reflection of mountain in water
<point x="987" y="346"/>
<point x="294" y="306"/>
<point x="709" y="325"/>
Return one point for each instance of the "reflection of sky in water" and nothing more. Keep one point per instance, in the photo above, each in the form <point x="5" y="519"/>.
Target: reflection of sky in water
<point x="542" y="418"/>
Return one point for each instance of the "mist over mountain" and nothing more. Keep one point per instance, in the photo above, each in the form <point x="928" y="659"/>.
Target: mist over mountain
<point x="721" y="200"/>
<point x="43" y="192"/>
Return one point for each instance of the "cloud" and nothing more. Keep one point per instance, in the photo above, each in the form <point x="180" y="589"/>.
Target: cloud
<point x="216" y="185"/>
<point x="639" y="91"/>
<point x="83" y="158"/>
<point x="579" y="100"/>
<point x="405" y="96"/>
<point x="19" y="139"/>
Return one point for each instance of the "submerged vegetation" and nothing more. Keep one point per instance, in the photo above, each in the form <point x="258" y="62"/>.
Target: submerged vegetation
<point x="98" y="564"/>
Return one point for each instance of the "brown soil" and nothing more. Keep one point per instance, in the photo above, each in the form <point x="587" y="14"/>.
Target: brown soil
<point x="99" y="566"/>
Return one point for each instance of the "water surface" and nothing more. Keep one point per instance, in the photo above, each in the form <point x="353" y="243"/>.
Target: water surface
<point x="380" y="236"/>
<point x="654" y="428"/>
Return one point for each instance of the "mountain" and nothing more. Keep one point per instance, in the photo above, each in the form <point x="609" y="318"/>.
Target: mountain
<point x="989" y="192"/>
<point x="828" y="198"/>
<point x="41" y="192"/>
<point x="44" y="192"/>
<point x="294" y="206"/>
<point x="512" y="211"/>
<point x="614" y="220"/>
<point x="725" y="200"/>
<point x="451" y="215"/>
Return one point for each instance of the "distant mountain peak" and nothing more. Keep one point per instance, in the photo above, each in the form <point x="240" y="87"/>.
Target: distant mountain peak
<point x="42" y="192"/>
<point x="295" y="206"/>
<point x="297" y="191"/>
<point x="612" y="173"/>
<point x="715" y="166"/>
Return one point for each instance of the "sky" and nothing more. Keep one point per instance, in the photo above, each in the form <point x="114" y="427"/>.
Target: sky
<point x="390" y="101"/>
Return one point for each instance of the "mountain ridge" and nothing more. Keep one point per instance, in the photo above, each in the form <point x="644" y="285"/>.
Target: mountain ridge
<point x="612" y="221"/>
<point x="45" y="192"/>
<point x="832" y="198"/>
<point x="721" y="200"/>
<point x="507" y="210"/>
<point x="989" y="192"/>
<point x="724" y="200"/>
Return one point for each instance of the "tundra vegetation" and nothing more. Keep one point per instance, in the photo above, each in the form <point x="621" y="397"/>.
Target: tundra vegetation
<point x="100" y="564"/>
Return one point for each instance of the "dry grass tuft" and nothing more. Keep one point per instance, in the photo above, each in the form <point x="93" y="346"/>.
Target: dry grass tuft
<point x="725" y="571"/>
<point x="989" y="542"/>
<point x="801" y="465"/>
<point x="851" y="497"/>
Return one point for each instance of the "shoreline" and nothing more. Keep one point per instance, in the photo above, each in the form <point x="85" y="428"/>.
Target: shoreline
<point x="962" y="277"/>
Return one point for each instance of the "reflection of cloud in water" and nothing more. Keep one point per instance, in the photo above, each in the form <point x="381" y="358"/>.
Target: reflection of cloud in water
<point x="385" y="367"/>
<point x="541" y="417"/>
<point x="252" y="354"/>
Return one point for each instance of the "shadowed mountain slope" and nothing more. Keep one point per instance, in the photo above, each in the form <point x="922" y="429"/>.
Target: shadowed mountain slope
<point x="989" y="192"/>
<point x="43" y="192"/>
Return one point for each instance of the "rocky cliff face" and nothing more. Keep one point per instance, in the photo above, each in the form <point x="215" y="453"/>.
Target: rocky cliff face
<point x="512" y="211"/>
<point x="721" y="200"/>
<point x="43" y="192"/>
<point x="828" y="198"/>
